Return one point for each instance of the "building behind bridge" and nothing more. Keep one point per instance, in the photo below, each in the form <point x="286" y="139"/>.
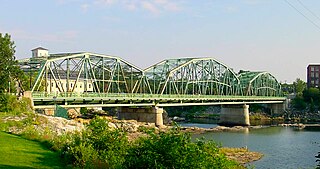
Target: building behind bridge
<point x="32" y="65"/>
<point x="313" y="75"/>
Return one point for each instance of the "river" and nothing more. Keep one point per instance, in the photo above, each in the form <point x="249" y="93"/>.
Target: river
<point x="283" y="147"/>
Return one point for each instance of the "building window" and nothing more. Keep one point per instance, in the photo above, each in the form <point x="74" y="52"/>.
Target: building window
<point x="71" y="84"/>
<point x="312" y="81"/>
<point x="312" y="68"/>
<point x="312" y="74"/>
<point x="89" y="86"/>
<point x="317" y="74"/>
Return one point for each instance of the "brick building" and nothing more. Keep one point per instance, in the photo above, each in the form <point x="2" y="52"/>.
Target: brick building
<point x="313" y="75"/>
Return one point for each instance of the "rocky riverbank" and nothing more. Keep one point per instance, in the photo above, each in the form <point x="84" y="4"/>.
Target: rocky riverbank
<point x="58" y="126"/>
<point x="241" y="155"/>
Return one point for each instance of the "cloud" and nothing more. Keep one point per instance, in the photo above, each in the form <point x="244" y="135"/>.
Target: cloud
<point x="84" y="7"/>
<point x="158" y="6"/>
<point x="168" y="5"/>
<point x="154" y="6"/>
<point x="253" y="2"/>
<point x="150" y="7"/>
<point x="231" y="9"/>
<point x="105" y="2"/>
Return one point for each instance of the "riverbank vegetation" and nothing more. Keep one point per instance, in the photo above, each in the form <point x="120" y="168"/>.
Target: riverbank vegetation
<point x="305" y="104"/>
<point x="100" y="146"/>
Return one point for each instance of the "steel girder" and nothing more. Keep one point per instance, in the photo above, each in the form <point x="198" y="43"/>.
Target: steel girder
<point x="90" y="72"/>
<point x="259" y="84"/>
<point x="192" y="76"/>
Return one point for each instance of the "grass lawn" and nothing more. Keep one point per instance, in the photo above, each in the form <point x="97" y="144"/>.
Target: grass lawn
<point x="17" y="152"/>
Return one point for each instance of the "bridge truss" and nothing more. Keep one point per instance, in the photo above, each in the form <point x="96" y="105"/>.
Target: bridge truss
<point x="89" y="72"/>
<point x="192" y="76"/>
<point x="259" y="84"/>
<point x="88" y="79"/>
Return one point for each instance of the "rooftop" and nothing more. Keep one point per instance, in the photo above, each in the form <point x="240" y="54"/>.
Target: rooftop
<point x="39" y="48"/>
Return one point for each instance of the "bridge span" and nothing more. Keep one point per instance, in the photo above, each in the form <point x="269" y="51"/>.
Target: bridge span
<point x="74" y="80"/>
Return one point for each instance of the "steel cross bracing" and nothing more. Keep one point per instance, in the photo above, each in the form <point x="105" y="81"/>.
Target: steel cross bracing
<point x="192" y="76"/>
<point x="90" y="79"/>
<point x="259" y="84"/>
<point x="88" y="72"/>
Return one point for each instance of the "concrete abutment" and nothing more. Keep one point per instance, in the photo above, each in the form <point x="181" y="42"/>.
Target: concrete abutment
<point x="233" y="115"/>
<point x="277" y="108"/>
<point x="149" y="115"/>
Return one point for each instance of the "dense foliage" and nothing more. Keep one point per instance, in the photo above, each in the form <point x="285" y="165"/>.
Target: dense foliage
<point x="102" y="147"/>
<point x="10" y="74"/>
<point x="309" y="99"/>
<point x="306" y="99"/>
<point x="98" y="146"/>
<point x="8" y="65"/>
<point x="10" y="103"/>
<point x="174" y="149"/>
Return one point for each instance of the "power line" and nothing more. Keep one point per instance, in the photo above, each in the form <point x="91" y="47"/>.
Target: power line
<point x="308" y="10"/>
<point x="303" y="14"/>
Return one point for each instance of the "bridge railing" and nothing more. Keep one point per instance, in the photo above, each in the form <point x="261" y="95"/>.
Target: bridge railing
<point x="149" y="96"/>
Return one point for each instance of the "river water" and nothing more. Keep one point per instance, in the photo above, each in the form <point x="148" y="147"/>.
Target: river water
<point x="283" y="147"/>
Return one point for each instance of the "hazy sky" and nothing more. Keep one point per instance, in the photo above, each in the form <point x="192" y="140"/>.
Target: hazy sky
<point x="256" y="35"/>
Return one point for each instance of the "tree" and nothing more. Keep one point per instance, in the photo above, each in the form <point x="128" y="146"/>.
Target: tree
<point x="9" y="70"/>
<point x="287" y="88"/>
<point x="311" y="94"/>
<point x="299" y="86"/>
<point x="299" y="103"/>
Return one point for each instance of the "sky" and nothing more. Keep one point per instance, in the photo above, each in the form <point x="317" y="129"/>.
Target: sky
<point x="278" y="36"/>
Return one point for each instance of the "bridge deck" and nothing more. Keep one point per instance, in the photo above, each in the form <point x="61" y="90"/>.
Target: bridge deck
<point x="44" y="100"/>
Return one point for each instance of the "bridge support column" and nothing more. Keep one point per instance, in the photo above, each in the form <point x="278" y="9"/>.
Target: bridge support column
<point x="232" y="115"/>
<point x="150" y="115"/>
<point x="277" y="109"/>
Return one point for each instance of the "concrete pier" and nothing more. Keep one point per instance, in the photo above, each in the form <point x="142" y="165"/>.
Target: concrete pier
<point x="277" y="109"/>
<point x="234" y="115"/>
<point x="150" y="114"/>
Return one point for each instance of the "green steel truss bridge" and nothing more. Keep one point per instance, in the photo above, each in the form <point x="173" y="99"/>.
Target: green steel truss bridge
<point x="95" y="80"/>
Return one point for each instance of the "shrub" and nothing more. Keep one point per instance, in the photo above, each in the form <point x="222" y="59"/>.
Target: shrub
<point x="175" y="149"/>
<point x="109" y="146"/>
<point x="99" y="146"/>
<point x="10" y="104"/>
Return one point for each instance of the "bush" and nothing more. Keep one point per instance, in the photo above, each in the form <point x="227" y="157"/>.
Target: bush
<point x="10" y="104"/>
<point x="98" y="146"/>
<point x="175" y="149"/>
<point x="102" y="147"/>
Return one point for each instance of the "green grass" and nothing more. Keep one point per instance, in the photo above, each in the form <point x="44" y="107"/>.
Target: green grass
<point x="17" y="152"/>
